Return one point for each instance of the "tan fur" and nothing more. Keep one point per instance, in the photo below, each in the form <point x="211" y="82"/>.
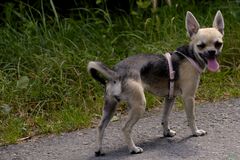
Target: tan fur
<point x="132" y="90"/>
<point x="208" y="36"/>
<point x="137" y="103"/>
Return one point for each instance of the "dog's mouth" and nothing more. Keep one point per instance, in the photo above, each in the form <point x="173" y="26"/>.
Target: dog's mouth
<point x="213" y="64"/>
<point x="211" y="61"/>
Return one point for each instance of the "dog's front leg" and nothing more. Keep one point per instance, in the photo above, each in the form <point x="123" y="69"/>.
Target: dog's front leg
<point x="167" y="132"/>
<point x="190" y="111"/>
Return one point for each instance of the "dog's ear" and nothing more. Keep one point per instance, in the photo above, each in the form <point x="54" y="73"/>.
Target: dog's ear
<point x="191" y="24"/>
<point x="219" y="22"/>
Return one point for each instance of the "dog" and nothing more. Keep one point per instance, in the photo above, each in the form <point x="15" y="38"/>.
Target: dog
<point x="129" y="78"/>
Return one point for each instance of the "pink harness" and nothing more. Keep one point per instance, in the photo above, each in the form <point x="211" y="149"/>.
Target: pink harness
<point x="195" y="65"/>
<point x="172" y="72"/>
<point x="171" y="75"/>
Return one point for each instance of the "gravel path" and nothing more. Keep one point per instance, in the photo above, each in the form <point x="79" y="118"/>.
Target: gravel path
<point x="221" y="120"/>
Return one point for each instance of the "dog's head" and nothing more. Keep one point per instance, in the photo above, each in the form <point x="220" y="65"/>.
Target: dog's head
<point x="207" y="43"/>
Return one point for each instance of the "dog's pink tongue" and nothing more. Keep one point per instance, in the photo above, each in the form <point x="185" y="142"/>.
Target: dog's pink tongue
<point x="213" y="65"/>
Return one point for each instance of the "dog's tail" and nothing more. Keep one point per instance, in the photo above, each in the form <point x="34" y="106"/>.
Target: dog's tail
<point x="95" y="67"/>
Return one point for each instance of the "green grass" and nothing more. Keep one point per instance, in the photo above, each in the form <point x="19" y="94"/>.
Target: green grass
<point x="44" y="85"/>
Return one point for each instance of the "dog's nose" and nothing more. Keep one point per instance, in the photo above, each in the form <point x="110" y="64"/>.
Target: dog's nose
<point x="212" y="53"/>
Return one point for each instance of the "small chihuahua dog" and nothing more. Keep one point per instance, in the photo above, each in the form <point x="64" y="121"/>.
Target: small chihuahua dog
<point x="128" y="79"/>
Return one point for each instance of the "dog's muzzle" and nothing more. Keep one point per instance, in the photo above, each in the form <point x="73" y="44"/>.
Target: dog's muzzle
<point x="211" y="54"/>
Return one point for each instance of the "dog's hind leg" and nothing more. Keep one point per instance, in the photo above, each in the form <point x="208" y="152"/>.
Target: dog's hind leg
<point x="108" y="112"/>
<point x="167" y="132"/>
<point x="136" y="101"/>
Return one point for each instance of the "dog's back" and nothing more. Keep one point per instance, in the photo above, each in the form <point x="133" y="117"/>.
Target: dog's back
<point x="138" y="66"/>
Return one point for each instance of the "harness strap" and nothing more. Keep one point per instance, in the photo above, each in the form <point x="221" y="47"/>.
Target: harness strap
<point x="194" y="64"/>
<point x="171" y="75"/>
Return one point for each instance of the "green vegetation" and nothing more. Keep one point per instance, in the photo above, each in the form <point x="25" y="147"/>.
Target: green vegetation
<point x="44" y="85"/>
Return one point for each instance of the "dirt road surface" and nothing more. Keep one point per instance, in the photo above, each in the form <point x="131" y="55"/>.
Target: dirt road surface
<point x="221" y="120"/>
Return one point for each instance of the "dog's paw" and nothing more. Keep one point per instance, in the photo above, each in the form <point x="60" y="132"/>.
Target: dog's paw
<point x="99" y="153"/>
<point x="136" y="150"/>
<point x="169" y="133"/>
<point x="199" y="132"/>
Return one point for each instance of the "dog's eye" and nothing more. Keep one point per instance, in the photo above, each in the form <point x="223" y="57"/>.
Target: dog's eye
<point x="218" y="44"/>
<point x="201" y="46"/>
<point x="114" y="82"/>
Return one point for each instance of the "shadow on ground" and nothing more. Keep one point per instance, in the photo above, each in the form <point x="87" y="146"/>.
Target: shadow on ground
<point x="160" y="144"/>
